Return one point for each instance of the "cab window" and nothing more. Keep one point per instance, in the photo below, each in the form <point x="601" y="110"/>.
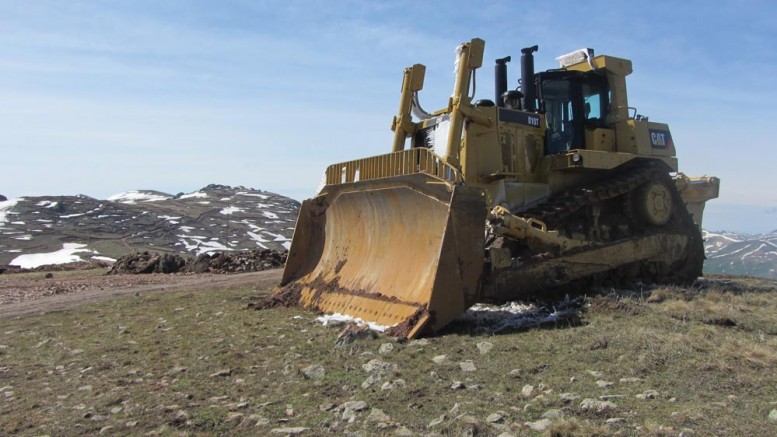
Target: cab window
<point x="559" y="115"/>
<point x="595" y="101"/>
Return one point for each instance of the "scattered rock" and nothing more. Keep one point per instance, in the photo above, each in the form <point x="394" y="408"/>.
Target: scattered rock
<point x="436" y="421"/>
<point x="370" y="381"/>
<point x="595" y="373"/>
<point x="467" y="366"/>
<point x="539" y="426"/>
<point x="386" y="348"/>
<point x="553" y="414"/>
<point x="458" y="385"/>
<point x="326" y="406"/>
<point x="260" y="420"/>
<point x="289" y="431"/>
<point x="686" y="432"/>
<point x="355" y="405"/>
<point x="353" y="332"/>
<point x="527" y="391"/>
<point x="648" y="394"/>
<point x="484" y="347"/>
<point x="569" y="397"/>
<point x="630" y="380"/>
<point x="596" y="406"/>
<point x="497" y="417"/>
<point x="516" y="373"/>
<point x="403" y="431"/>
<point x="231" y="417"/>
<point x="180" y="417"/>
<point x="376" y="365"/>
<point x="604" y="384"/>
<point x="391" y="385"/>
<point x="441" y="359"/>
<point x="314" y="371"/>
<point x="615" y="420"/>
<point x="773" y="415"/>
<point x="611" y="397"/>
<point x="377" y="416"/>
<point x="224" y="372"/>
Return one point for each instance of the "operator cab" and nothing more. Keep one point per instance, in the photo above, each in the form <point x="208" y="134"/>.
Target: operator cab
<point x="572" y="102"/>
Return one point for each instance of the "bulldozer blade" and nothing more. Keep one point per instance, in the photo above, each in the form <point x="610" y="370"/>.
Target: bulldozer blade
<point x="404" y="252"/>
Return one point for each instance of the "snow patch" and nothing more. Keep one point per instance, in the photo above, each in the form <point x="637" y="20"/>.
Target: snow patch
<point x="169" y="218"/>
<point x="196" y="194"/>
<point x="269" y="214"/>
<point x="337" y="319"/>
<point x="256" y="237"/>
<point x="104" y="258"/>
<point x="5" y="208"/>
<point x="63" y="256"/>
<point x="516" y="315"/>
<point x="231" y="210"/>
<point x="261" y="196"/>
<point x="131" y="197"/>
<point x="47" y="203"/>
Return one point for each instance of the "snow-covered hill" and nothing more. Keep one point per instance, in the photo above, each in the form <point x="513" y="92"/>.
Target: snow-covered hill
<point x="56" y="229"/>
<point x="732" y="253"/>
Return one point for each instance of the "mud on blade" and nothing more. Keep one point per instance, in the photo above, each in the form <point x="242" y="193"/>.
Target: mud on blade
<point x="405" y="251"/>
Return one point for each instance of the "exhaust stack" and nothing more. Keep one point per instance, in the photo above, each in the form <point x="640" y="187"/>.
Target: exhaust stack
<point x="500" y="79"/>
<point x="527" y="78"/>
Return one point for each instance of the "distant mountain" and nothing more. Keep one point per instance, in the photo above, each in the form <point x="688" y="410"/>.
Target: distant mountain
<point x="731" y="253"/>
<point x="61" y="229"/>
<point x="58" y="229"/>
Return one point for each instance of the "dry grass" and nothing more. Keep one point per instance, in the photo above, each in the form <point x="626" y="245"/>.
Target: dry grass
<point x="199" y="363"/>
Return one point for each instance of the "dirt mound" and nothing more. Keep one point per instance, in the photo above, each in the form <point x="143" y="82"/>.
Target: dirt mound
<point x="237" y="262"/>
<point x="220" y="262"/>
<point x="145" y="262"/>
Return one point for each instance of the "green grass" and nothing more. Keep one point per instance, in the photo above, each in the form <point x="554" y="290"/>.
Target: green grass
<point x="199" y="363"/>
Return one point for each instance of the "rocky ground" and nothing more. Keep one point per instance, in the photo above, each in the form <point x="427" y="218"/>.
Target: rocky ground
<point x="130" y="272"/>
<point x="186" y="357"/>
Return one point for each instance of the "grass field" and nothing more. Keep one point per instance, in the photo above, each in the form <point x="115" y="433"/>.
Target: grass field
<point x="698" y="361"/>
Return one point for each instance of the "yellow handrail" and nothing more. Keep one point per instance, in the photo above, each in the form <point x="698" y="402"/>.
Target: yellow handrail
<point x="404" y="162"/>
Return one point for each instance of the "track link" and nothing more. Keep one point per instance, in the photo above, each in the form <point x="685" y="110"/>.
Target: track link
<point x="571" y="206"/>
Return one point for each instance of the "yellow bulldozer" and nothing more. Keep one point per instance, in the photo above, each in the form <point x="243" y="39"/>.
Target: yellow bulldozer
<point x="484" y="201"/>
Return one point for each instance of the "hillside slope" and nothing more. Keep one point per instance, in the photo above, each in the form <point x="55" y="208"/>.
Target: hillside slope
<point x="731" y="253"/>
<point x="58" y="229"/>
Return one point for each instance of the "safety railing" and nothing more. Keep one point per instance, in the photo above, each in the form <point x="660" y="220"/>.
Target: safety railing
<point x="404" y="162"/>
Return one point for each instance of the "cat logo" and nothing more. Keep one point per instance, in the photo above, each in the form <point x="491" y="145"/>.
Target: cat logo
<point x="660" y="139"/>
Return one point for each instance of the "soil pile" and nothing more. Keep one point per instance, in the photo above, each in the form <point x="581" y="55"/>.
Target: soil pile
<point x="220" y="262"/>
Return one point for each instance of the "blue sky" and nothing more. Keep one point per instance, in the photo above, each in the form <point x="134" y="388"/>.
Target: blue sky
<point x="100" y="97"/>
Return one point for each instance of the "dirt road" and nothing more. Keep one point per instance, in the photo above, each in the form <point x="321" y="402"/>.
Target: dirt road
<point x="22" y="294"/>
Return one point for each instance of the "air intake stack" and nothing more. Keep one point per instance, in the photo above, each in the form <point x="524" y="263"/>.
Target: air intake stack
<point x="500" y="79"/>
<point x="527" y="78"/>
